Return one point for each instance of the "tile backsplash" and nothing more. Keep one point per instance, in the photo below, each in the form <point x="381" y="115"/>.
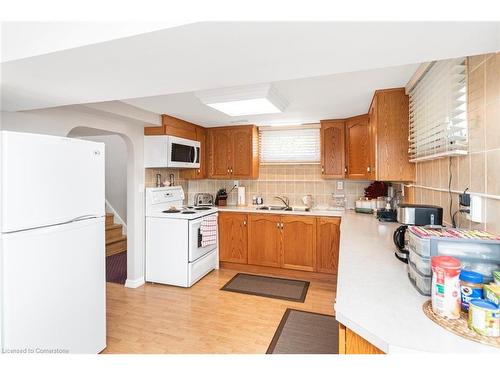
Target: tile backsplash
<point x="293" y="181"/>
<point x="479" y="170"/>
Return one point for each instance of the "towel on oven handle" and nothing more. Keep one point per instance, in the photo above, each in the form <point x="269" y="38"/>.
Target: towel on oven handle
<point x="208" y="229"/>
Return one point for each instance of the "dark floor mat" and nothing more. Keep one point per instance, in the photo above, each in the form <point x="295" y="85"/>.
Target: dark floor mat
<point x="116" y="268"/>
<point x="303" y="332"/>
<point x="265" y="286"/>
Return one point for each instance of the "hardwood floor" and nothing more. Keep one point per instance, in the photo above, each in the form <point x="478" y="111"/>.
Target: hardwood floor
<point x="158" y="318"/>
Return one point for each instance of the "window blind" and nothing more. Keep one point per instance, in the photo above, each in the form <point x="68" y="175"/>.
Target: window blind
<point x="289" y="145"/>
<point x="438" y="112"/>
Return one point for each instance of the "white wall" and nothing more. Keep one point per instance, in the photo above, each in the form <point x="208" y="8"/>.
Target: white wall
<point x="116" y="172"/>
<point x="60" y="121"/>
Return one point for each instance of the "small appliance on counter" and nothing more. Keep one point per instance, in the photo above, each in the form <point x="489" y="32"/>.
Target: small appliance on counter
<point x="414" y="214"/>
<point x="221" y="197"/>
<point x="387" y="215"/>
<point x="203" y="199"/>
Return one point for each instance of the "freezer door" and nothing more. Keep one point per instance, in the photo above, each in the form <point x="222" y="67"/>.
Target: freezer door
<point x="54" y="288"/>
<point x="48" y="180"/>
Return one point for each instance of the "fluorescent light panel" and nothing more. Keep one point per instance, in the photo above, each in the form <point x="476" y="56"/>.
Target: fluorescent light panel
<point x="244" y="100"/>
<point x="246" y="107"/>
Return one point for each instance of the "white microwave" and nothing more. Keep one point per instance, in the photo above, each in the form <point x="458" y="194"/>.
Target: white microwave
<point x="166" y="151"/>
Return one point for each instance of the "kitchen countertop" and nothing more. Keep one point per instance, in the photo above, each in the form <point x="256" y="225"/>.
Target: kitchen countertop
<point x="376" y="300"/>
<point x="253" y="209"/>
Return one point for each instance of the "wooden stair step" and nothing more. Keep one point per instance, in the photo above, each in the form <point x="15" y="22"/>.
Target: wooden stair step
<point x="113" y="231"/>
<point x="110" y="218"/>
<point x="116" y="246"/>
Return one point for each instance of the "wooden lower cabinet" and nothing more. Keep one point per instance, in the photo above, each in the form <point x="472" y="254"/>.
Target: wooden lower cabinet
<point x="293" y="242"/>
<point x="298" y="242"/>
<point x="352" y="343"/>
<point x="233" y="237"/>
<point x="264" y="238"/>
<point x="327" y="244"/>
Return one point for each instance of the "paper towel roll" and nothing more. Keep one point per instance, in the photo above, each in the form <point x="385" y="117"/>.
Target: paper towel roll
<point x="241" y="196"/>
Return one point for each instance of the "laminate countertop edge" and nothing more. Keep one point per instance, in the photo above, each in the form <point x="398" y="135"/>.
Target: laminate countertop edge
<point x="254" y="210"/>
<point x="376" y="300"/>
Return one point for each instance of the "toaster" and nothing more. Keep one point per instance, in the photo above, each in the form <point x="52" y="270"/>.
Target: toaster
<point x="203" y="199"/>
<point x="419" y="214"/>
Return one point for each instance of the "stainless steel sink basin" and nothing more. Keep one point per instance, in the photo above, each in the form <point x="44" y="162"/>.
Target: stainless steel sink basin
<point x="275" y="208"/>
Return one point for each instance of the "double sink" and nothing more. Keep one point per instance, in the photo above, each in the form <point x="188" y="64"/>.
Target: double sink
<point x="278" y="208"/>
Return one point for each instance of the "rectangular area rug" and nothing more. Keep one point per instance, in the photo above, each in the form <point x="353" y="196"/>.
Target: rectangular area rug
<point x="116" y="268"/>
<point x="303" y="332"/>
<point x="265" y="286"/>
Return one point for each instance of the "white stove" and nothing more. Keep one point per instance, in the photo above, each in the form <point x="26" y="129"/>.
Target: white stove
<point x="175" y="254"/>
<point x="168" y="202"/>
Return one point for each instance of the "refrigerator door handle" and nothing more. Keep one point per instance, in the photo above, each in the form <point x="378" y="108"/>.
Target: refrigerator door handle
<point x="83" y="217"/>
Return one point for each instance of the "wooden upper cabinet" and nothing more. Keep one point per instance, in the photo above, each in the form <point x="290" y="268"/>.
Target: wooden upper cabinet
<point x="233" y="239"/>
<point x="219" y="153"/>
<point x="327" y="247"/>
<point x="264" y="239"/>
<point x="173" y="126"/>
<point x="298" y="247"/>
<point x="389" y="121"/>
<point x="372" y="139"/>
<point x="358" y="148"/>
<point x="333" y="149"/>
<point x="233" y="152"/>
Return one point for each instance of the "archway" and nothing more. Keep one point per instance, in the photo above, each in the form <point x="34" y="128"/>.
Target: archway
<point x="119" y="154"/>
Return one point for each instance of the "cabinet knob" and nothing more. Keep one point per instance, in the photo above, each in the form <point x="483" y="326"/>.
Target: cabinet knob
<point x="227" y="169"/>
<point x="278" y="225"/>
<point x="231" y="170"/>
<point x="282" y="225"/>
<point x="244" y="222"/>
<point x="322" y="169"/>
<point x="368" y="169"/>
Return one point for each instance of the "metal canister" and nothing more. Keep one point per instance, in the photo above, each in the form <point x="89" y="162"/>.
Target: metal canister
<point x="484" y="317"/>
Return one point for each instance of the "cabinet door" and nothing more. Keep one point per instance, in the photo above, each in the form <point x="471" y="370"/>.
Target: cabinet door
<point x="392" y="137"/>
<point x="372" y="140"/>
<point x="264" y="240"/>
<point x="357" y="148"/>
<point x="332" y="149"/>
<point x="241" y="163"/>
<point x="220" y="153"/>
<point x="298" y="249"/>
<point x="233" y="237"/>
<point x="327" y="249"/>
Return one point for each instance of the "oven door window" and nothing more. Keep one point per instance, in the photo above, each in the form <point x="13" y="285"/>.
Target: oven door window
<point x="182" y="153"/>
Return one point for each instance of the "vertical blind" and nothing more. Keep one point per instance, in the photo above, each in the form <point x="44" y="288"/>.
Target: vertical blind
<point x="289" y="144"/>
<point x="438" y="112"/>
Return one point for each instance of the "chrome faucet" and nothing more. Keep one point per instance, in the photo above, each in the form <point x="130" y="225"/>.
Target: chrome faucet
<point x="284" y="199"/>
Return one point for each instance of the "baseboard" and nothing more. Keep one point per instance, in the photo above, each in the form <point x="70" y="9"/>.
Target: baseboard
<point x="274" y="271"/>
<point x="134" y="283"/>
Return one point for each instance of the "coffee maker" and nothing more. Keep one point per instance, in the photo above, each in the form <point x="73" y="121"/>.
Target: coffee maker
<point x="414" y="214"/>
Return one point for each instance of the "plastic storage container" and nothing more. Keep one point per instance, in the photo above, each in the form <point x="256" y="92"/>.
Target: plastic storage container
<point x="476" y="253"/>
<point x="420" y="263"/>
<point x="471" y="287"/>
<point x="420" y="282"/>
<point x="445" y="288"/>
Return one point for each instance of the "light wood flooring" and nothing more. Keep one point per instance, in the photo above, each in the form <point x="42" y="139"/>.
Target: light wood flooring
<point x="202" y="319"/>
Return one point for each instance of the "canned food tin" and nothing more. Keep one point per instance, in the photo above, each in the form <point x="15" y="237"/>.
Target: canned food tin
<point x="484" y="318"/>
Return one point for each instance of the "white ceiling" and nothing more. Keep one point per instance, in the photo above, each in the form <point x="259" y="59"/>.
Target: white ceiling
<point x="310" y="99"/>
<point x="219" y="54"/>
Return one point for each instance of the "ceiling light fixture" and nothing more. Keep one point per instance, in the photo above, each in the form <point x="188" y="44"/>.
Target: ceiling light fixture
<point x="244" y="100"/>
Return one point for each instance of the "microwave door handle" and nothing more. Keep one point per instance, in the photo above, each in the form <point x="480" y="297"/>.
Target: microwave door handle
<point x="195" y="152"/>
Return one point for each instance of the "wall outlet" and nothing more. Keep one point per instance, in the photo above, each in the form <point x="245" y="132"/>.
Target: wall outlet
<point x="476" y="209"/>
<point x="340" y="185"/>
<point x="236" y="183"/>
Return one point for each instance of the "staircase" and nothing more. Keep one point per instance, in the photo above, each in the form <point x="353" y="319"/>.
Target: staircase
<point x="116" y="241"/>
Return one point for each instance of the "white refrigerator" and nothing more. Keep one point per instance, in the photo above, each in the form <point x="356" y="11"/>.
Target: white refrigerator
<point x="52" y="244"/>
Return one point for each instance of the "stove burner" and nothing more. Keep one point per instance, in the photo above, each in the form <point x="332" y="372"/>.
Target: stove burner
<point x="171" y="211"/>
<point x="189" y="207"/>
<point x="202" y="208"/>
<point x="188" y="212"/>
